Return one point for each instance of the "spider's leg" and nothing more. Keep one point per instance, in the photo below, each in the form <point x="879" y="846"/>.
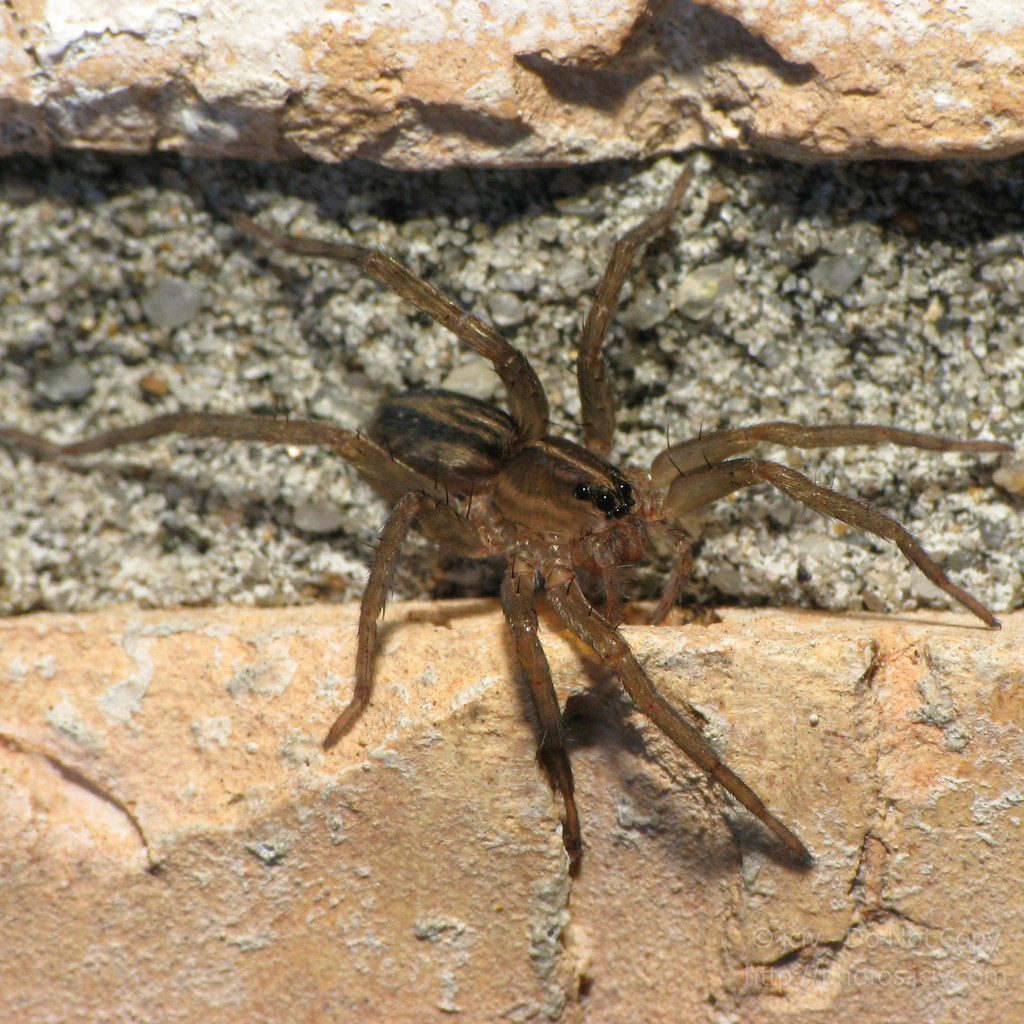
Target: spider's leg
<point x="594" y="630"/>
<point x="442" y="523"/>
<point x="706" y="484"/>
<point x="611" y="588"/>
<point x="719" y="445"/>
<point x="388" y="477"/>
<point x="517" y="600"/>
<point x="415" y="497"/>
<point x="679" y="575"/>
<point x="527" y="401"/>
<point x="596" y="398"/>
<point x="232" y="427"/>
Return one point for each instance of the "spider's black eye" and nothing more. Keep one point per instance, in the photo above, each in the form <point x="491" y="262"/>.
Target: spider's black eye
<point x="604" y="499"/>
<point x="612" y="502"/>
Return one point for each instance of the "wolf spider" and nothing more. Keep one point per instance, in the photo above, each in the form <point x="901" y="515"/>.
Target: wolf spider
<point x="480" y="481"/>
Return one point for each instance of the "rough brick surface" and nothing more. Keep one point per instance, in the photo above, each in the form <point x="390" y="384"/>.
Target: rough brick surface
<point x="175" y="844"/>
<point x="515" y="83"/>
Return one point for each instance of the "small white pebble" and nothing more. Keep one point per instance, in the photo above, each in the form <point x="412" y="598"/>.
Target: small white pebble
<point x="1011" y="476"/>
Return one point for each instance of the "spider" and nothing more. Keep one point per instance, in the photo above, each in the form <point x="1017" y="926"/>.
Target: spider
<point x="478" y="481"/>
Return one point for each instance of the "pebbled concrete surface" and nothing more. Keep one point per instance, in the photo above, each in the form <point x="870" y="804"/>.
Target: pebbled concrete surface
<point x="886" y="293"/>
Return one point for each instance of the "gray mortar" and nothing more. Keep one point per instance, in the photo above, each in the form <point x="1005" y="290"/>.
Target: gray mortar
<point x="884" y="293"/>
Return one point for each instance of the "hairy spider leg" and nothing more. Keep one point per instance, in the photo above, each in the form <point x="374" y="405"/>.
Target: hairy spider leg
<point x="719" y="445"/>
<point x="706" y="484"/>
<point x="596" y="399"/>
<point x="388" y="477"/>
<point x="528" y="403"/>
<point x="437" y="520"/>
<point x="518" y="600"/>
<point x="415" y="502"/>
<point x="609" y="644"/>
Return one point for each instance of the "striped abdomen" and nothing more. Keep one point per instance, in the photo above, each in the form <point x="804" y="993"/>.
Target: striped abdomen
<point x="446" y="436"/>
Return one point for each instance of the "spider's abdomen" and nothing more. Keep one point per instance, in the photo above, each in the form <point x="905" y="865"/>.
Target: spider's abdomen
<point x="446" y="436"/>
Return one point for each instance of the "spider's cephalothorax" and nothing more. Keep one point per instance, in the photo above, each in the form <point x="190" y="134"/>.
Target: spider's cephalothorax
<point x="481" y="481"/>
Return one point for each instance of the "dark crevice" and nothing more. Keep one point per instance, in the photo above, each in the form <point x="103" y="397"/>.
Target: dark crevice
<point x="75" y="778"/>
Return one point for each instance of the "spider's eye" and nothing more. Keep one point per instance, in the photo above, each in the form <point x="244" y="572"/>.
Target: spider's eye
<point x="604" y="499"/>
<point x="600" y="497"/>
